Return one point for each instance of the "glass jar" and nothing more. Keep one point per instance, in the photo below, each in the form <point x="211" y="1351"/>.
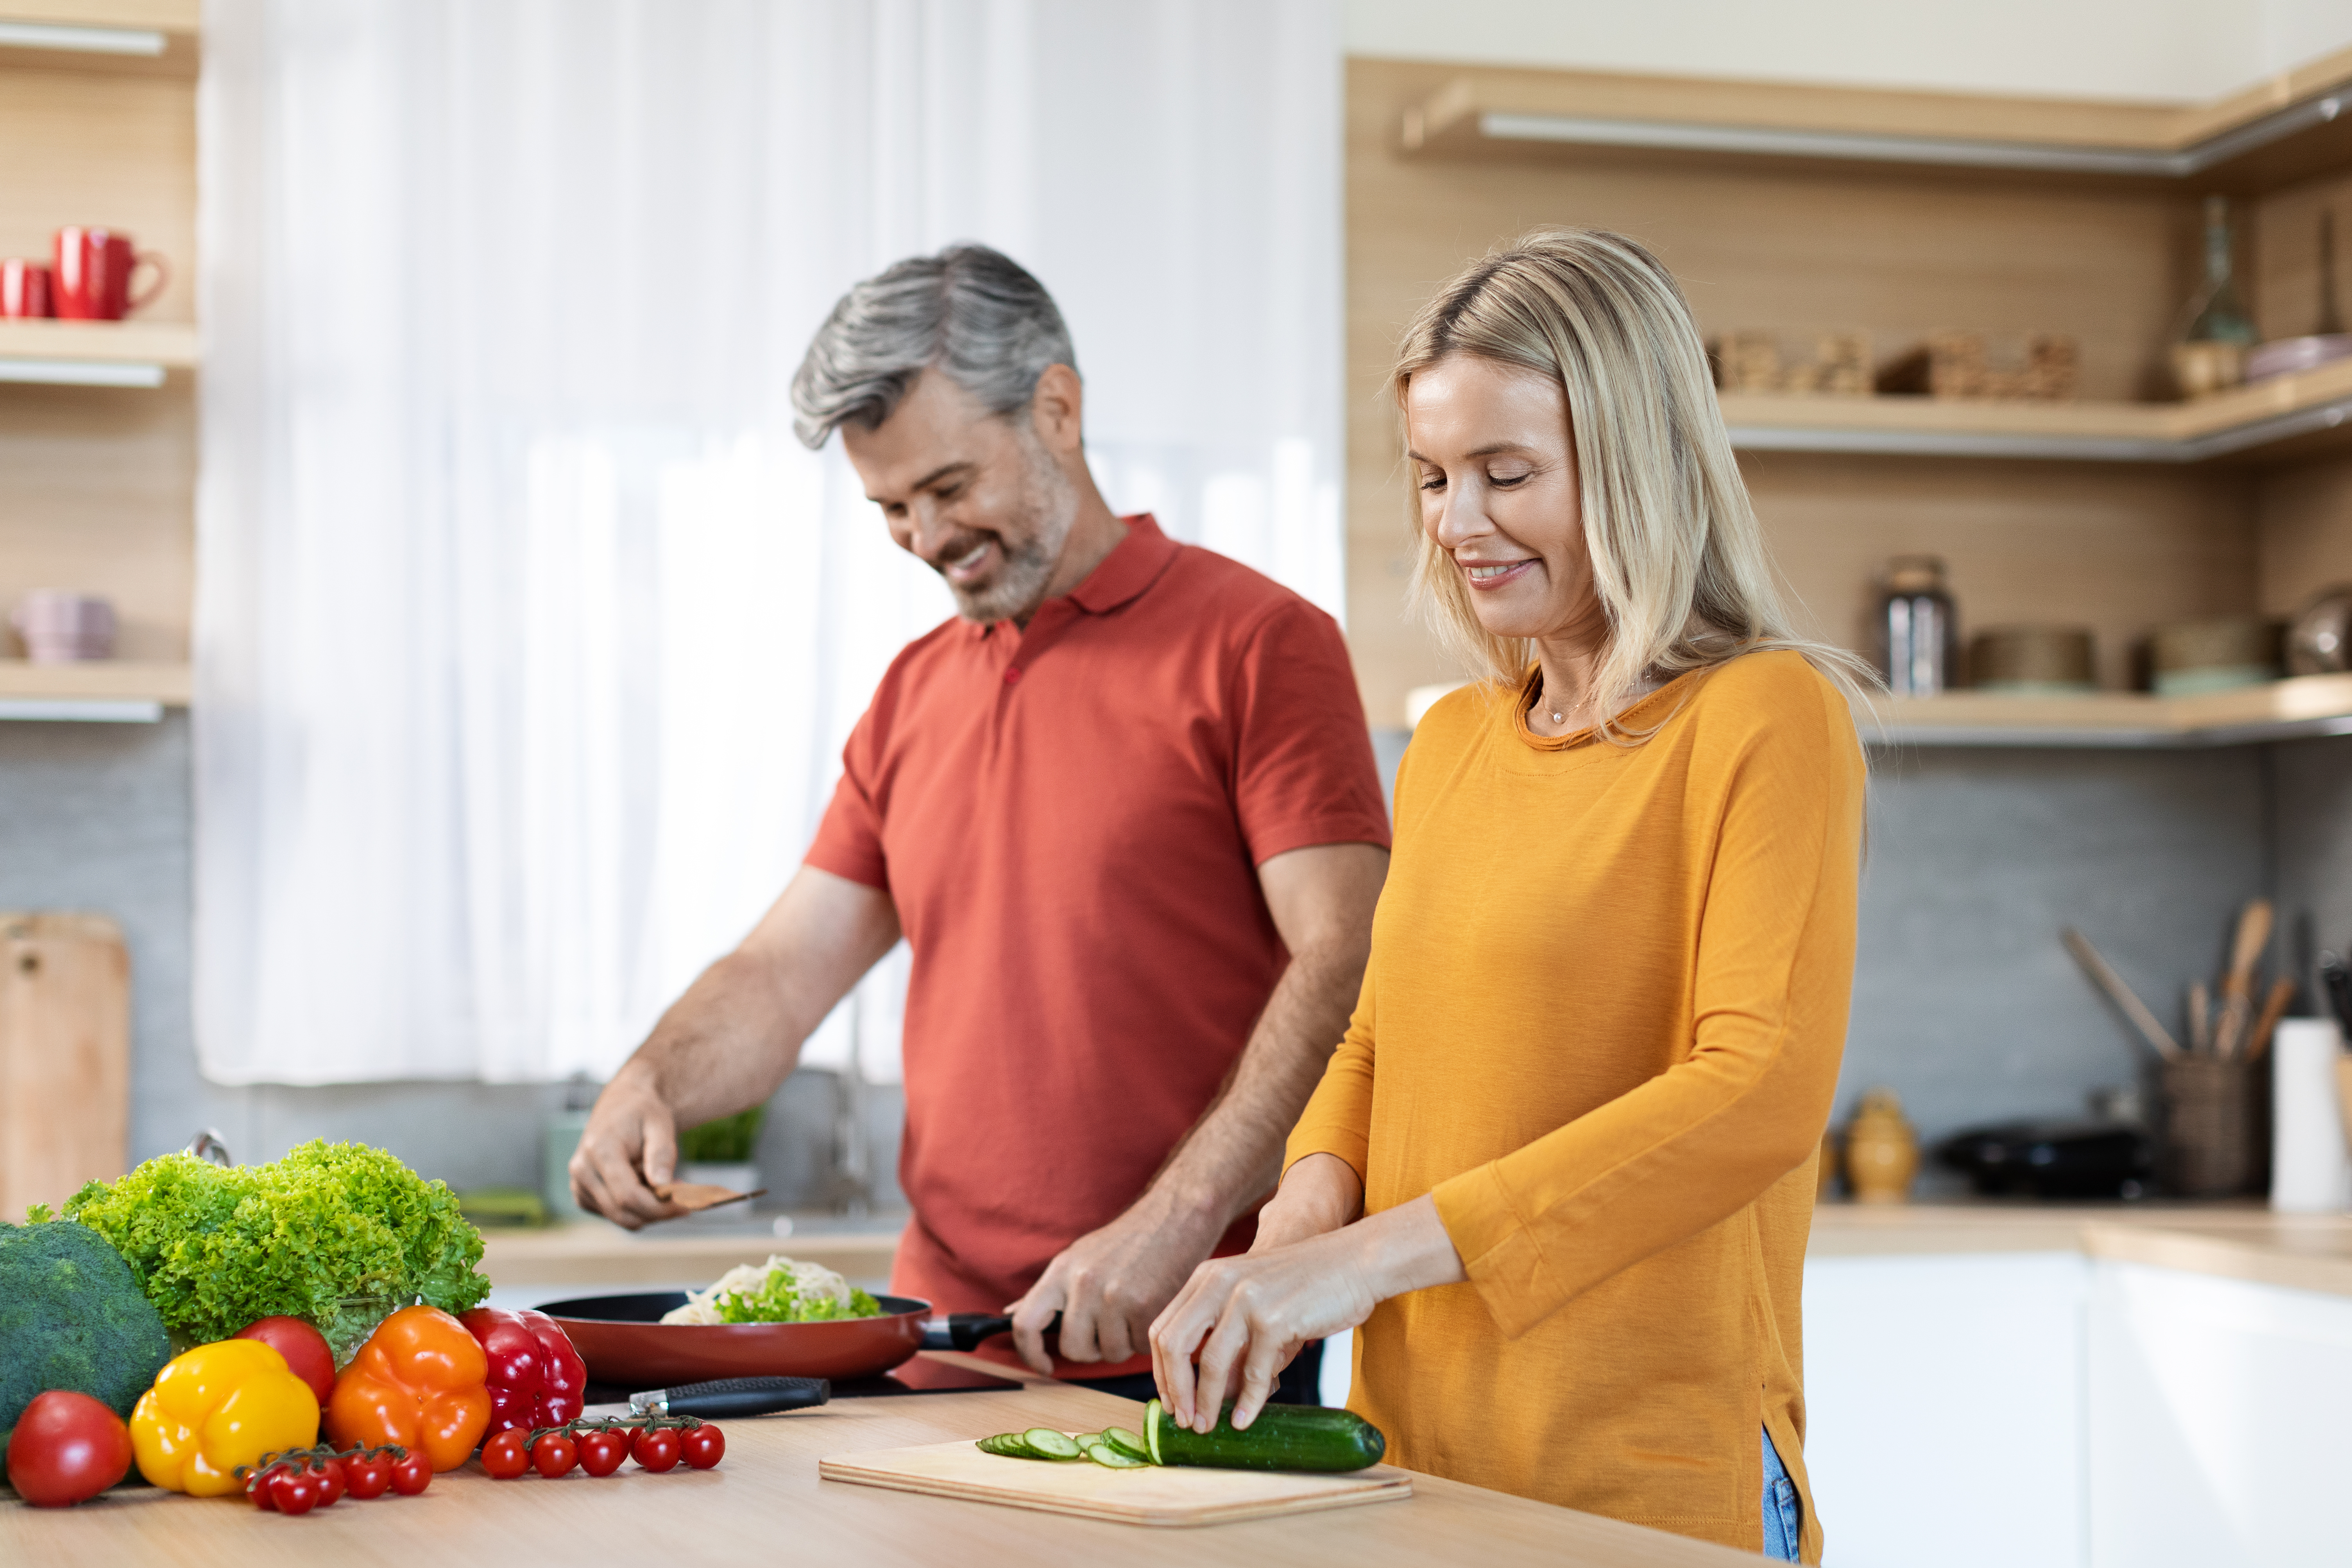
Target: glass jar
<point x="1918" y="629"/>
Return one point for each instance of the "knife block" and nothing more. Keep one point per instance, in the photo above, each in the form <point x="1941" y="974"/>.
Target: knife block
<point x="65" y="1057"/>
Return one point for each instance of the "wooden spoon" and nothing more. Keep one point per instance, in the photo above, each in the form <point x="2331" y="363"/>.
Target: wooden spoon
<point x="2238" y="988"/>
<point x="696" y="1196"/>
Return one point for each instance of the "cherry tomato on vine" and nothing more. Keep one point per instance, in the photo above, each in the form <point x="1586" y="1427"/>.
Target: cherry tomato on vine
<point x="600" y="1453"/>
<point x="702" y="1446"/>
<point x="256" y="1487"/>
<point x="656" y="1448"/>
<point x="554" y="1454"/>
<point x="412" y="1473"/>
<point x="368" y="1476"/>
<point x="294" y="1491"/>
<point x="333" y="1480"/>
<point x="503" y="1458"/>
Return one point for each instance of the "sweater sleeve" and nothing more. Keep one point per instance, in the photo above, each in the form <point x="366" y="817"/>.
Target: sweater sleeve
<point x="1704" y="1138"/>
<point x="1338" y="1115"/>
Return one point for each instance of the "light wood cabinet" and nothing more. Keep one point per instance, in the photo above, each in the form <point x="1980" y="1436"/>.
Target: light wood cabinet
<point x="97" y="479"/>
<point x="65" y="1057"/>
<point x="1798" y="211"/>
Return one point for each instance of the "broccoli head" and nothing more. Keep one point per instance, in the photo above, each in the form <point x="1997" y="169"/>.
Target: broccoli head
<point x="71" y="1316"/>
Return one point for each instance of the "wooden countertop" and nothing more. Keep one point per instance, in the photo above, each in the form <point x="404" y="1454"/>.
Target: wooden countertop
<point x="765" y="1504"/>
<point x="2231" y="1241"/>
<point x="2235" y="1241"/>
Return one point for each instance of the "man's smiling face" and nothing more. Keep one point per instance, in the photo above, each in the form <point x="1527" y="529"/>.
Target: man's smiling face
<point x="976" y="497"/>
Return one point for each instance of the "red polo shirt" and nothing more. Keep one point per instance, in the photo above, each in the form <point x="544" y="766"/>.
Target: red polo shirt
<point x="1069" y="821"/>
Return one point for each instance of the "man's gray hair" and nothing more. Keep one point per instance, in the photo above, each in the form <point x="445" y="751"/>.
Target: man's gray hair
<point x="975" y="314"/>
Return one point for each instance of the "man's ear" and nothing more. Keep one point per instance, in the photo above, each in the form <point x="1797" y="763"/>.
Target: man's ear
<point x="1057" y="410"/>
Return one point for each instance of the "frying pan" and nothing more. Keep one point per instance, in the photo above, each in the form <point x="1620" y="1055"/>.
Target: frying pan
<point x="624" y="1342"/>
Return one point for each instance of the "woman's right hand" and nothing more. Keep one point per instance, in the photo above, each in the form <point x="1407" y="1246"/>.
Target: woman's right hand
<point x="1317" y="1195"/>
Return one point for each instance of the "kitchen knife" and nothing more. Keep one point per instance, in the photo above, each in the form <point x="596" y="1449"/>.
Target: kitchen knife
<point x="964" y="1331"/>
<point x="733" y="1396"/>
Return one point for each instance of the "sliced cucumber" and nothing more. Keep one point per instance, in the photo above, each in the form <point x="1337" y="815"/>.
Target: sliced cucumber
<point x="1048" y="1444"/>
<point x="1151" y="1413"/>
<point x="1131" y="1444"/>
<point x="1283" y="1437"/>
<point x="1111" y="1458"/>
<point x="1007" y="1445"/>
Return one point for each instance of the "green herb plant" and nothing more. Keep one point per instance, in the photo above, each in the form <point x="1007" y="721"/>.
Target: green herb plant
<point x="726" y="1142"/>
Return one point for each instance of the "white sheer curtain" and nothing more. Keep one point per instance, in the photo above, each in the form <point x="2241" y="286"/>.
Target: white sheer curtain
<point x="527" y="635"/>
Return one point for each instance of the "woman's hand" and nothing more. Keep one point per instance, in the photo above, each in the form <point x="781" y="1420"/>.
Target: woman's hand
<point x="1251" y="1314"/>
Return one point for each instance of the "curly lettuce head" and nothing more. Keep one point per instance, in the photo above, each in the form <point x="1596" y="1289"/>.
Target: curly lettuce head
<point x="338" y="1234"/>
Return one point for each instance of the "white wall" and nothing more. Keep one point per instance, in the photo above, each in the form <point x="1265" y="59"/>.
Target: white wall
<point x="2161" y="49"/>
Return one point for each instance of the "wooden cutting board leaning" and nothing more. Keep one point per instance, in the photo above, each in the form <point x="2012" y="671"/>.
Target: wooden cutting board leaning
<point x="1171" y="1496"/>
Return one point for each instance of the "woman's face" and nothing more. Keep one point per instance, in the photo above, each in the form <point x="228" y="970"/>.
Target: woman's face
<point x="1489" y="448"/>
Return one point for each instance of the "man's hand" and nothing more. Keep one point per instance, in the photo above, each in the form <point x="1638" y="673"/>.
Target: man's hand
<point x="729" y="1040"/>
<point x="1108" y="1285"/>
<point x="629" y="1147"/>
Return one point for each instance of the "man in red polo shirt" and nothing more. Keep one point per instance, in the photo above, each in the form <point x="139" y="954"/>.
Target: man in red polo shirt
<point x="1125" y="812"/>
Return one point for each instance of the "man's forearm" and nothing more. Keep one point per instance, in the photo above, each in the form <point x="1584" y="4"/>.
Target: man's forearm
<point x="1233" y="1156"/>
<point x="727" y="1042"/>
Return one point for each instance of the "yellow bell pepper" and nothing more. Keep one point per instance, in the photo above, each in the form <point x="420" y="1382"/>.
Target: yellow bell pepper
<point x="214" y="1408"/>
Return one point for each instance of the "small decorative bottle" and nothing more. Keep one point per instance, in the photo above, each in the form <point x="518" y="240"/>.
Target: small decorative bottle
<point x="2211" y="355"/>
<point x="1918" y="631"/>
<point x="1882" y="1153"/>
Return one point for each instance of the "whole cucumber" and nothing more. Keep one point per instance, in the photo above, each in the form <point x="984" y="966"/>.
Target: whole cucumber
<point x="1283" y="1437"/>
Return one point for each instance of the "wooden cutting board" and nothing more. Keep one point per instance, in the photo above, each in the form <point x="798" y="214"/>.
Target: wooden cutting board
<point x="1153" y="1496"/>
<point x="65" y="1057"/>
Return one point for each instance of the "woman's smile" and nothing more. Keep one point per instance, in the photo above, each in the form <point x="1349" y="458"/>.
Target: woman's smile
<point x="1488" y="576"/>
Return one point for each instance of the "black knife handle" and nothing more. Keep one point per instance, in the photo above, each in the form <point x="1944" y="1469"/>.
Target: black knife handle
<point x="964" y="1331"/>
<point x="745" y="1397"/>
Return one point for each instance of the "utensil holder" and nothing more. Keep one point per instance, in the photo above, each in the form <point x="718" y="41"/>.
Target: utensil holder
<point x="2208" y="1131"/>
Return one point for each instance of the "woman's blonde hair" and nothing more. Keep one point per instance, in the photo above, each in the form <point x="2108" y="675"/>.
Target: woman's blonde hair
<point x="1676" y="552"/>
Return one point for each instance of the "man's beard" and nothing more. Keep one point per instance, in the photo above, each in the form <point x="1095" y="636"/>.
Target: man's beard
<point x="1025" y="568"/>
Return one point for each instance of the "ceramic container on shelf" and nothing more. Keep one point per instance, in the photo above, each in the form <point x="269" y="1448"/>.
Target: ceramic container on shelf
<point x="1881" y="1151"/>
<point x="2034" y="661"/>
<point x="62" y="627"/>
<point x="2189" y="658"/>
<point x="2320" y="640"/>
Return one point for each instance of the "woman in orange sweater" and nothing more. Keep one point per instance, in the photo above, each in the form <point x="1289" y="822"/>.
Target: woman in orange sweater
<point x="1561" y="1169"/>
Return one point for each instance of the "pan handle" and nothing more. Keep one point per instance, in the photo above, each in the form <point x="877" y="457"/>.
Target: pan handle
<point x="964" y="1331"/>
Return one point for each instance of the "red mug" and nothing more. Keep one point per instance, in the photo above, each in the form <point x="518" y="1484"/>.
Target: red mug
<point x="25" y="289"/>
<point x="93" y="275"/>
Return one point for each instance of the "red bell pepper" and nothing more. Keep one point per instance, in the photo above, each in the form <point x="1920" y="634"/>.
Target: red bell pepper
<point x="536" y="1379"/>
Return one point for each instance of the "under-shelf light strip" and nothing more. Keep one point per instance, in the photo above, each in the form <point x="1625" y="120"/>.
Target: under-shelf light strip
<point x="81" y="373"/>
<point x="1758" y="140"/>
<point x="82" y="40"/>
<point x="81" y="710"/>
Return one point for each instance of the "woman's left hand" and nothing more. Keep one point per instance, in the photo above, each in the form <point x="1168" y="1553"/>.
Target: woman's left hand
<point x="1250" y="1315"/>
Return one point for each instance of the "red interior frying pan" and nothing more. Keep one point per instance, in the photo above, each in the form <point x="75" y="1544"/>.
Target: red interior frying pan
<point x="624" y="1342"/>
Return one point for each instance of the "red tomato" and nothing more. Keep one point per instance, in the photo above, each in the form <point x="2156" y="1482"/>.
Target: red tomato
<point x="503" y="1458"/>
<point x="412" y="1473"/>
<point x="333" y="1480"/>
<point x="304" y="1348"/>
<point x="600" y="1453"/>
<point x="656" y="1448"/>
<point x="554" y="1454"/>
<point x="294" y="1491"/>
<point x="67" y="1448"/>
<point x="256" y="1487"/>
<point x="368" y="1477"/>
<point x="702" y="1446"/>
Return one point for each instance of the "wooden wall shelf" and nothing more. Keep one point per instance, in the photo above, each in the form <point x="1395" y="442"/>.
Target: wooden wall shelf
<point x="2282" y="711"/>
<point x="2273" y="134"/>
<point x="141" y="37"/>
<point x="102" y="691"/>
<point x="2284" y="416"/>
<point x="94" y="354"/>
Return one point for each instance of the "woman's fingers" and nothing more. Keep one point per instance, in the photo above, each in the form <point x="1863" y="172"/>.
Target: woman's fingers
<point x="1268" y="1354"/>
<point x="1219" y="1353"/>
<point x="1175" y="1334"/>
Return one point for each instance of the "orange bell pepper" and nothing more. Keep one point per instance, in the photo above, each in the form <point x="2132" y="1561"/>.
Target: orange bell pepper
<point x="422" y="1381"/>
